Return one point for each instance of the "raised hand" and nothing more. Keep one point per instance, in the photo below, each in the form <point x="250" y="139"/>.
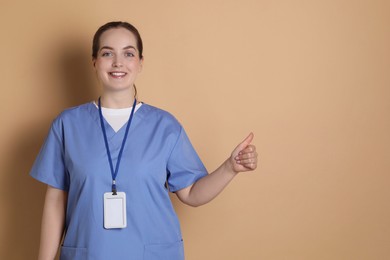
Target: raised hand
<point x="244" y="156"/>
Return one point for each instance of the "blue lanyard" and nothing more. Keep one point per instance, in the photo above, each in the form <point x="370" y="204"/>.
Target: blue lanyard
<point x="115" y="173"/>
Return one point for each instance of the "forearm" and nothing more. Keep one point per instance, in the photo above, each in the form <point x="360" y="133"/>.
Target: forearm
<point x="208" y="187"/>
<point x="242" y="159"/>
<point x="53" y="219"/>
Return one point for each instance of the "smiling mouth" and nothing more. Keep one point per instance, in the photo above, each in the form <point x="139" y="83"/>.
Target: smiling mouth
<point x="117" y="74"/>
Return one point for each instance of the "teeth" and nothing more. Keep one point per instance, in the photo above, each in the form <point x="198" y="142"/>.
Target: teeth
<point x="118" y="74"/>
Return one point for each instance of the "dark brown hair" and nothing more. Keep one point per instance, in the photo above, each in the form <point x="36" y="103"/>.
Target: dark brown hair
<point x="113" y="25"/>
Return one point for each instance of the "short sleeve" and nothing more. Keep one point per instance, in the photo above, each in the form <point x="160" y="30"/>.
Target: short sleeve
<point x="184" y="165"/>
<point x="49" y="166"/>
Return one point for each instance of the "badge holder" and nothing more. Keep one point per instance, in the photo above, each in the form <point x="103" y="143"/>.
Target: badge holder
<point x="115" y="210"/>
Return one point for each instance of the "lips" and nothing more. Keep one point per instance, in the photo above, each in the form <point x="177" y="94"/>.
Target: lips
<point x="117" y="74"/>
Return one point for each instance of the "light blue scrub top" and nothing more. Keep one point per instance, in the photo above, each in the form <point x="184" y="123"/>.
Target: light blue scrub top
<point x="158" y="158"/>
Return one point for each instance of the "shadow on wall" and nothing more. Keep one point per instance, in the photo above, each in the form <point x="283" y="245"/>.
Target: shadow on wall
<point x="77" y="75"/>
<point x="26" y="195"/>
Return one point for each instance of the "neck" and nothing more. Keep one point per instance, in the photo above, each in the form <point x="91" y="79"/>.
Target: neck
<point x="117" y="99"/>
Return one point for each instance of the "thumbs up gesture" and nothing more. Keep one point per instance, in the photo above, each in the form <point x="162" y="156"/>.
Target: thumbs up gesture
<point x="244" y="156"/>
<point x="242" y="159"/>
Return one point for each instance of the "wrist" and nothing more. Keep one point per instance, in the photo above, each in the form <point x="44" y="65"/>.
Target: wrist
<point x="229" y="167"/>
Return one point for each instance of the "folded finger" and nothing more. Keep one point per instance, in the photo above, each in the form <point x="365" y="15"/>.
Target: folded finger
<point x="248" y="149"/>
<point x="247" y="155"/>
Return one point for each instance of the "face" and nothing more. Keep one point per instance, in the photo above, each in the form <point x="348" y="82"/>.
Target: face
<point x="117" y="63"/>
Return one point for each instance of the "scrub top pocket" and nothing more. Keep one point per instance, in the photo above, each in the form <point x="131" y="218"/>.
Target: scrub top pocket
<point x="169" y="251"/>
<point x="73" y="253"/>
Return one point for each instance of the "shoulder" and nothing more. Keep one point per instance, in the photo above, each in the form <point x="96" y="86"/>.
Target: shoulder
<point x="159" y="115"/>
<point x="164" y="121"/>
<point x="73" y="114"/>
<point x="76" y="110"/>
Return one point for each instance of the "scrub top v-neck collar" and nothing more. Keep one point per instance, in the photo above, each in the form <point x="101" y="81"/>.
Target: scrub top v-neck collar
<point x="137" y="117"/>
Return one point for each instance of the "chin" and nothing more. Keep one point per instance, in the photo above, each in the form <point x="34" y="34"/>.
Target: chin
<point x="117" y="88"/>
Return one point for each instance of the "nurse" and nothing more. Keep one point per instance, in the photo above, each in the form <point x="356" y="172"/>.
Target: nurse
<point x="110" y="164"/>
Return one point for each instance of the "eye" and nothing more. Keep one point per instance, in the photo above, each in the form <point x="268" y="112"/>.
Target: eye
<point x="106" y="54"/>
<point x="129" y="54"/>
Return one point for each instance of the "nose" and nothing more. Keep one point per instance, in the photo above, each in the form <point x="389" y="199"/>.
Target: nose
<point x="117" y="62"/>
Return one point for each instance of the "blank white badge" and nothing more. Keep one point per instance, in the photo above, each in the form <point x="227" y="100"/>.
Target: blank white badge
<point x="115" y="210"/>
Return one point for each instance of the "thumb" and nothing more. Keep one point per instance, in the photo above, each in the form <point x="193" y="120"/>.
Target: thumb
<point x="245" y="143"/>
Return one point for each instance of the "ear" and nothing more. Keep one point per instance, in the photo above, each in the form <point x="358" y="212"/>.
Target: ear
<point x="141" y="64"/>
<point x="94" y="62"/>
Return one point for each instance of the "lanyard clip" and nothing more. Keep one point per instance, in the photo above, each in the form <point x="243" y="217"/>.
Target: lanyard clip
<point x="114" y="187"/>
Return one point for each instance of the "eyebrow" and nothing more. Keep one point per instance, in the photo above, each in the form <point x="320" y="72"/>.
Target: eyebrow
<point x="125" y="48"/>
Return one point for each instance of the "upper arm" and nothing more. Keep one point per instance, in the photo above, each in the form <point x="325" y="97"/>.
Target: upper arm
<point x="184" y="166"/>
<point x="184" y="194"/>
<point x="49" y="166"/>
<point x="55" y="197"/>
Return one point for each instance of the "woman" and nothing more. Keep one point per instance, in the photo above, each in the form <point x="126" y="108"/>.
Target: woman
<point x="109" y="165"/>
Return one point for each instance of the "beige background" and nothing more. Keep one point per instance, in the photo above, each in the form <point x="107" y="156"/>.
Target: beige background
<point x="310" y="78"/>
